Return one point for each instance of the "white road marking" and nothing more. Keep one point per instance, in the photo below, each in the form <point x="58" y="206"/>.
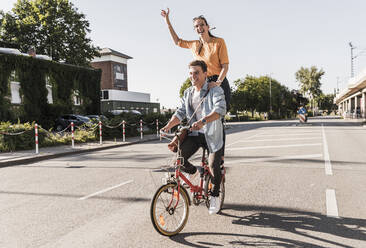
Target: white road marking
<point x="274" y="158"/>
<point x="331" y="201"/>
<point x="328" y="165"/>
<point x="227" y="145"/>
<point x="268" y="147"/>
<point x="105" y="190"/>
<point x="285" y="139"/>
<point x="286" y="134"/>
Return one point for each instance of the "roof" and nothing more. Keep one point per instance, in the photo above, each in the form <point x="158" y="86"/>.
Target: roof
<point x="108" y="51"/>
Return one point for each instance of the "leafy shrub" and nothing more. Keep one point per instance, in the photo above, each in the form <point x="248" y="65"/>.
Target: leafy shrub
<point x="16" y="137"/>
<point x="132" y="124"/>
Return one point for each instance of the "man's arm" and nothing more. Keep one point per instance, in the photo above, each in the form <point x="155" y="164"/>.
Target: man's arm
<point x="209" y="118"/>
<point x="172" y="123"/>
<point x="219" y="109"/>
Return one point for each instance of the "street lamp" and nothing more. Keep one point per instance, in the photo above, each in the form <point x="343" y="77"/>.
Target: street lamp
<point x="352" y="47"/>
<point x="353" y="57"/>
<point x="270" y="92"/>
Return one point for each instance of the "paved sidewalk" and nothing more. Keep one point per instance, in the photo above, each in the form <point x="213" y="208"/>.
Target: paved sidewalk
<point x="30" y="156"/>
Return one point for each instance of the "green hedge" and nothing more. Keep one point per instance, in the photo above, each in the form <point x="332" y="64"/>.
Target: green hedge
<point x="132" y="124"/>
<point x="64" y="79"/>
<point x="15" y="137"/>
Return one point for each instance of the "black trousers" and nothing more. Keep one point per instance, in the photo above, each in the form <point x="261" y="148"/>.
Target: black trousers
<point x="189" y="147"/>
<point x="225" y="86"/>
<point x="227" y="91"/>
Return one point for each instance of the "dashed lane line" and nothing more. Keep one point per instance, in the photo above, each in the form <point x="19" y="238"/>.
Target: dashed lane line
<point x="331" y="201"/>
<point x="252" y="160"/>
<point x="270" y="147"/>
<point x="105" y="190"/>
<point x="328" y="165"/>
<point x="285" y="134"/>
<point x="285" y="139"/>
<point x="248" y="138"/>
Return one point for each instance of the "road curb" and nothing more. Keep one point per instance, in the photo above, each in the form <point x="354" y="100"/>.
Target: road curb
<point x="37" y="158"/>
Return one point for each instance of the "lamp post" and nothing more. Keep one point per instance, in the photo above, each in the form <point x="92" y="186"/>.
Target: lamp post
<point x="352" y="47"/>
<point x="270" y="94"/>
<point x="362" y="52"/>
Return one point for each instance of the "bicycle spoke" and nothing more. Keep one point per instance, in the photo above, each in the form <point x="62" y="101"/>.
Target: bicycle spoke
<point x="170" y="210"/>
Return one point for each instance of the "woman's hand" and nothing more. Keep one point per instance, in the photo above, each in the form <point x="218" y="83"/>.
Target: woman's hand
<point x="165" y="14"/>
<point x="213" y="84"/>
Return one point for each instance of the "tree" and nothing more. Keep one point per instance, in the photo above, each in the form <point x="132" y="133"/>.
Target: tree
<point x="53" y="27"/>
<point x="249" y="94"/>
<point x="326" y="102"/>
<point x="253" y="93"/>
<point x="238" y="99"/>
<point x="186" y="84"/>
<point x="309" y="80"/>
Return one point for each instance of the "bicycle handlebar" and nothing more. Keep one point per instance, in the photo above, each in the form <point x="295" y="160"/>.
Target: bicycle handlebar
<point x="178" y="132"/>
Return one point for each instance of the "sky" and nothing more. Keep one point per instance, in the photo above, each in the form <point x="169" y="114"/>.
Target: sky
<point x="263" y="37"/>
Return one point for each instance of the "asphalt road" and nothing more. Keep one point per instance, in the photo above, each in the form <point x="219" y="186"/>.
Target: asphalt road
<point x="287" y="186"/>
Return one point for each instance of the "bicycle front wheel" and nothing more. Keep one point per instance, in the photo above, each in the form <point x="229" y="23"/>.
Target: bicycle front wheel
<point x="208" y="187"/>
<point x="169" y="210"/>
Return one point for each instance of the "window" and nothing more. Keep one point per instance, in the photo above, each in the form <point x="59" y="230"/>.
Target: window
<point x="119" y="80"/>
<point x="120" y="76"/>
<point x="105" y="94"/>
<point x="49" y="95"/>
<point x="14" y="76"/>
<point x="77" y="98"/>
<point x="15" y="95"/>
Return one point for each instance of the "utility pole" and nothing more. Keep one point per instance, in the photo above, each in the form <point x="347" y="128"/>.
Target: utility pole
<point x="352" y="47"/>
<point x="270" y="94"/>
<point x="361" y="51"/>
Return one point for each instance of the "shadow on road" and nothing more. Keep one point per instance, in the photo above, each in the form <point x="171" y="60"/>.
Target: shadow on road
<point x="121" y="199"/>
<point x="293" y="221"/>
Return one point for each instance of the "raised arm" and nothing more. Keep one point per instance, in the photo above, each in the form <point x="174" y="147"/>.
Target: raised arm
<point x="165" y="14"/>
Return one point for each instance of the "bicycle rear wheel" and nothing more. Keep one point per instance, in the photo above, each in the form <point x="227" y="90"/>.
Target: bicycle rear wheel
<point x="166" y="219"/>
<point x="208" y="191"/>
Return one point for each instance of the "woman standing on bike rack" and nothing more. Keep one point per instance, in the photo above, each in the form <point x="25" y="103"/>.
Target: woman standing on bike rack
<point x="204" y="108"/>
<point x="209" y="48"/>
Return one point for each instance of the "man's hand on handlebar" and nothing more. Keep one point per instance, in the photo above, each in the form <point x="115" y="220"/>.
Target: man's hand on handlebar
<point x="164" y="130"/>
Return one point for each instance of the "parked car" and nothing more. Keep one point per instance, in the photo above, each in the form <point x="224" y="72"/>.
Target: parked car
<point x="97" y="117"/>
<point x="64" y="121"/>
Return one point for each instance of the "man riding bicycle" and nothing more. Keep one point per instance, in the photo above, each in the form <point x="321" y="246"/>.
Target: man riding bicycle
<point x="204" y="108"/>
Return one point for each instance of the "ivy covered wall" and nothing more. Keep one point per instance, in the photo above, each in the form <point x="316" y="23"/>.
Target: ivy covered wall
<point x="64" y="79"/>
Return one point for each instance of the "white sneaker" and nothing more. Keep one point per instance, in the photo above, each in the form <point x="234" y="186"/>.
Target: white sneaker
<point x="214" y="205"/>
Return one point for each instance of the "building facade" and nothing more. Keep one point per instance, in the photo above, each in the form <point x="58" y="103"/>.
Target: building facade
<point x="114" y="85"/>
<point x="352" y="100"/>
